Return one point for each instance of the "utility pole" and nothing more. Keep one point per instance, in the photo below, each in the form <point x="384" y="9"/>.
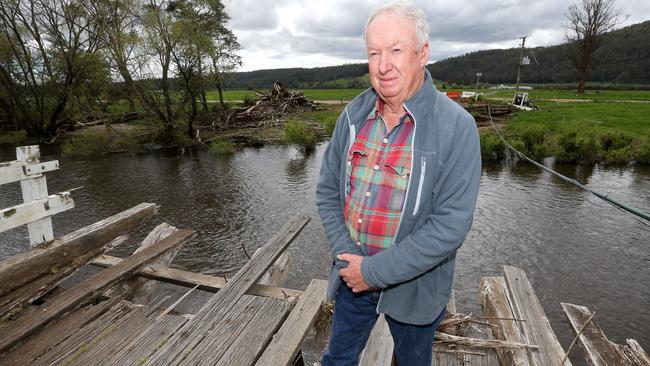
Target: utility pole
<point x="520" y="62"/>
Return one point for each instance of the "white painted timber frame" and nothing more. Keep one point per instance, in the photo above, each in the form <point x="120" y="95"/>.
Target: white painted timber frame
<point x="38" y="206"/>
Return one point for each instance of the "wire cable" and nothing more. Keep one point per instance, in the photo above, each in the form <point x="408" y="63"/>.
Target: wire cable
<point x="611" y="201"/>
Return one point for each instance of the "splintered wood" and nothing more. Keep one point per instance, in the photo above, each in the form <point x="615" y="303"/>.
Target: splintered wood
<point x="597" y="349"/>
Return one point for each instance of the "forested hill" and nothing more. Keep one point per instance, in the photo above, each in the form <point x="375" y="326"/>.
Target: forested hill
<point x="623" y="58"/>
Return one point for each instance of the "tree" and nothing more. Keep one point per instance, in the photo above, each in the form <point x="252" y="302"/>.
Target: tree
<point x="48" y="50"/>
<point x="587" y="22"/>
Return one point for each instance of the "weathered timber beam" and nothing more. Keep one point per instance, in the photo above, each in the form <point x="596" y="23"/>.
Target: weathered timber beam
<point x="191" y="279"/>
<point x="379" y="348"/>
<point x="17" y="170"/>
<point x="24" y="267"/>
<point x="16" y="330"/>
<point x="481" y="343"/>
<point x="493" y="293"/>
<point x="35" y="210"/>
<point x="597" y="348"/>
<point x="536" y="329"/>
<point x="286" y="342"/>
<point x="194" y="331"/>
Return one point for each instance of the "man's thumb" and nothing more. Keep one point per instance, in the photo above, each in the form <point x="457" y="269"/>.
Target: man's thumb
<point x="342" y="256"/>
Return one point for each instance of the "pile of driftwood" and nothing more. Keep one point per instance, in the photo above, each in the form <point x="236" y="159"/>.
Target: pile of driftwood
<point x="268" y="108"/>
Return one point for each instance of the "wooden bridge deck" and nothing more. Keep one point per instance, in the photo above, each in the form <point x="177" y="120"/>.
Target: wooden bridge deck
<point x="243" y="323"/>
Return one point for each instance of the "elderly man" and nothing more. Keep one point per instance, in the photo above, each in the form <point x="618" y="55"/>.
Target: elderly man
<point x="396" y="195"/>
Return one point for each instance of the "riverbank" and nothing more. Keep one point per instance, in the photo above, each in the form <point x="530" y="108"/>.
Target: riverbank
<point x="608" y="127"/>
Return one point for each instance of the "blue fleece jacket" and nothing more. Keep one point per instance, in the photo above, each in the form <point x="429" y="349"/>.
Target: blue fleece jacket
<point x="415" y="274"/>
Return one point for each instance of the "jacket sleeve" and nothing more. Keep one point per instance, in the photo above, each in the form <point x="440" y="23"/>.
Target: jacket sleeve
<point x="445" y="227"/>
<point x="328" y="194"/>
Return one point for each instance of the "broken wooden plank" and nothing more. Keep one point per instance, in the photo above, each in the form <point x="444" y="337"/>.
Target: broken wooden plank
<point x="636" y="353"/>
<point x="597" y="348"/>
<point x="139" y="348"/>
<point x="481" y="343"/>
<point x="493" y="293"/>
<point x="68" y="300"/>
<point x="379" y="348"/>
<point x="251" y="341"/>
<point x="287" y="340"/>
<point x="478" y="356"/>
<point x="57" y="332"/>
<point x="536" y="329"/>
<point x="277" y="274"/>
<point x="141" y="290"/>
<point x="190" y="279"/>
<point x="35" y="210"/>
<point x="24" y="267"/>
<point x="211" y="313"/>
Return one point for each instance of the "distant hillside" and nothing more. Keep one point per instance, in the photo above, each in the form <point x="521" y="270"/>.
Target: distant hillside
<point x="623" y="58"/>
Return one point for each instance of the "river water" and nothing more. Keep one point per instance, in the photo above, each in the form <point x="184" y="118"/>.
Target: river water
<point x="574" y="247"/>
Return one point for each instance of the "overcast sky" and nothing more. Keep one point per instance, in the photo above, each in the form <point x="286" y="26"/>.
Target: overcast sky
<point x="308" y="33"/>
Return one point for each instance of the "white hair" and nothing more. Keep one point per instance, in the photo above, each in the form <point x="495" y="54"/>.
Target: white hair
<point x="408" y="10"/>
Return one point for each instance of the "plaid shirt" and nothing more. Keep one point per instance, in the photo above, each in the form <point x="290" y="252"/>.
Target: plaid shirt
<point x="379" y="164"/>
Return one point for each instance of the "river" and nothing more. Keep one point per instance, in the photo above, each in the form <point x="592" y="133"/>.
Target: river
<point x="574" y="247"/>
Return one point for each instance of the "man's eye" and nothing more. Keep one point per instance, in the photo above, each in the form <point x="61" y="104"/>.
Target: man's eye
<point x="397" y="50"/>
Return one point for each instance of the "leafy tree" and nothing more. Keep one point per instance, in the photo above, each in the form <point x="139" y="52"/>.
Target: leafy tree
<point x="48" y="49"/>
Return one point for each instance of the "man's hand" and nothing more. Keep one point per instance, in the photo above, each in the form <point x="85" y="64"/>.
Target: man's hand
<point x="352" y="273"/>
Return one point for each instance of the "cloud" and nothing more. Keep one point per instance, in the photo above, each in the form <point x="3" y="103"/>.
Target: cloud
<point x="320" y="33"/>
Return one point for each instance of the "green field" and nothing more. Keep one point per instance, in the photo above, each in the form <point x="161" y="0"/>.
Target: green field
<point x="597" y="95"/>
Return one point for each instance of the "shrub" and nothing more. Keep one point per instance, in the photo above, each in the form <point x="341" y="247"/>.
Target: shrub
<point x="89" y="144"/>
<point x="14" y="138"/>
<point x="533" y="138"/>
<point x="299" y="133"/>
<point x="641" y="149"/>
<point x="577" y="144"/>
<point x="222" y="147"/>
<point x="491" y="146"/>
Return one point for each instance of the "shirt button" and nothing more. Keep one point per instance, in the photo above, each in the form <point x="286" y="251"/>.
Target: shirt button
<point x="376" y="167"/>
<point x="349" y="162"/>
<point x="385" y="140"/>
<point x="358" y="243"/>
<point x="360" y="221"/>
<point x="367" y="194"/>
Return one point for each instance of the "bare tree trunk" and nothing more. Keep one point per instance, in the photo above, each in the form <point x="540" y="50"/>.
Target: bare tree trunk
<point x="220" y="89"/>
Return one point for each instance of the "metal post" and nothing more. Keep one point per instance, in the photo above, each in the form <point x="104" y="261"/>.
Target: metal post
<point x="521" y="56"/>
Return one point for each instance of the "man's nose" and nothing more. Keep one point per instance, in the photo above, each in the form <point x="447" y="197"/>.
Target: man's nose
<point x="385" y="63"/>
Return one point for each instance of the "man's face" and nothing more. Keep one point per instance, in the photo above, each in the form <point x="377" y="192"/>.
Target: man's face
<point x="395" y="63"/>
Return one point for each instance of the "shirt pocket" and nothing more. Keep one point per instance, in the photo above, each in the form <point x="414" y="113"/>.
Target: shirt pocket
<point x="356" y="165"/>
<point x="395" y="179"/>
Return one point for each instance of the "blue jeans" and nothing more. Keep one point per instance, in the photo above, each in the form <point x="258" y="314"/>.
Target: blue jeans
<point x="354" y="317"/>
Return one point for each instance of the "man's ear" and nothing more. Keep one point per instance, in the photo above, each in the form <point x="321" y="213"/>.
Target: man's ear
<point x="424" y="54"/>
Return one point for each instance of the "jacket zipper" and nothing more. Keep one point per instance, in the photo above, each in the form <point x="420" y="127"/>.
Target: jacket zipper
<point x="419" y="195"/>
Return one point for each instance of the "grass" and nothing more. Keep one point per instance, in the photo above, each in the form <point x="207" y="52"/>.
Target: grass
<point x="299" y="133"/>
<point x="326" y="115"/>
<point x="597" y="95"/>
<point x="589" y="133"/>
<point x="222" y="147"/>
